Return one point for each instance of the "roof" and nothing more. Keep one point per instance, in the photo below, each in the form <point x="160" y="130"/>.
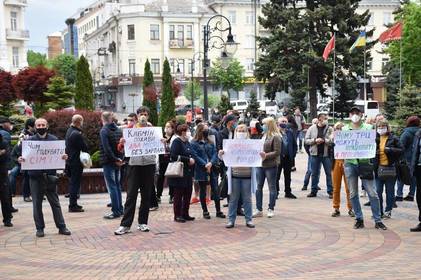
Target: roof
<point x="176" y="6"/>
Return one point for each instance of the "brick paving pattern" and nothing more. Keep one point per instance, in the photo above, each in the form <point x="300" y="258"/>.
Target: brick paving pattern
<point x="302" y="241"/>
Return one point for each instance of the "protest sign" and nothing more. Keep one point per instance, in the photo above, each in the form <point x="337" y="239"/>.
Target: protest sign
<point x="143" y="141"/>
<point x="43" y="155"/>
<point x="243" y="152"/>
<point x="355" y="144"/>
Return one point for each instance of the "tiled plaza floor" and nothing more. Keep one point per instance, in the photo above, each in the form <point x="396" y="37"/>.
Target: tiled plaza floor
<point x="302" y="241"/>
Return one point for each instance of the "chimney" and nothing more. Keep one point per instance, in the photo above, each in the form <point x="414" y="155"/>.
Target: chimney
<point x="194" y="7"/>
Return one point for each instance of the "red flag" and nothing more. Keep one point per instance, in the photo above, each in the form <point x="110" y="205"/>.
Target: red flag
<point x="329" y="47"/>
<point x="393" y="33"/>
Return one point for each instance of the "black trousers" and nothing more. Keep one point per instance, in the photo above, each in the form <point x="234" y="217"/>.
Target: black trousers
<point x="285" y="165"/>
<point x="5" y="197"/>
<point x="418" y="176"/>
<point x="159" y="184"/>
<point x="182" y="196"/>
<point x="139" y="177"/>
<point x="76" y="172"/>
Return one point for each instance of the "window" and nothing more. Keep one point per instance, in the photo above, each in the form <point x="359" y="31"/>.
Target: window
<point x="172" y="32"/>
<point x="387" y="18"/>
<point x="180" y="35"/>
<point x="249" y="64"/>
<point x="130" y="32"/>
<point x="15" y="54"/>
<point x="181" y="66"/>
<point x="154" y="31"/>
<point x="189" y="32"/>
<point x="385" y="60"/>
<point x="13" y="21"/>
<point x="249" y="17"/>
<point x="249" y="42"/>
<point x="232" y="17"/>
<point x="155" y="66"/>
<point x="132" y="67"/>
<point x="369" y="65"/>
<point x="371" y="20"/>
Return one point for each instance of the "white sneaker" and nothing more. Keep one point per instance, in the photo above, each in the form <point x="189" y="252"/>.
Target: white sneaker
<point x="154" y="208"/>
<point x="122" y="230"/>
<point x="143" y="228"/>
<point x="257" y="214"/>
<point x="271" y="213"/>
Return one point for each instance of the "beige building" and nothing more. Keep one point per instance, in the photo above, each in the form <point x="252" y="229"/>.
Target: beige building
<point x="13" y="35"/>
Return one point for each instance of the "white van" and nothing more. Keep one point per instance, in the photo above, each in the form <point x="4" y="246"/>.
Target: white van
<point x="240" y="105"/>
<point x="271" y="107"/>
<point x="370" y="108"/>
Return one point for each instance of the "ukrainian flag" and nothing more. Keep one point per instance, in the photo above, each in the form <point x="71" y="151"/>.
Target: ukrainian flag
<point x="360" y="42"/>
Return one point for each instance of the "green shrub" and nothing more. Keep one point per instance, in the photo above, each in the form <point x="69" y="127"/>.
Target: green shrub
<point x="95" y="157"/>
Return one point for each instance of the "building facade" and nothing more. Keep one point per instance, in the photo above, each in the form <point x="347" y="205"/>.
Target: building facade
<point x="13" y="35"/>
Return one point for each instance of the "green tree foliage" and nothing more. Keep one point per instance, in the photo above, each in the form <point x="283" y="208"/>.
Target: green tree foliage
<point x="392" y="89"/>
<point x="59" y="95"/>
<point x="84" y="89"/>
<point x="410" y="103"/>
<point x="230" y="77"/>
<point x="36" y="59"/>
<point x="195" y="88"/>
<point x="224" y="105"/>
<point x="213" y="101"/>
<point x="65" y="66"/>
<point x="167" y="100"/>
<point x="254" y="105"/>
<point x="149" y="93"/>
<point x="298" y="34"/>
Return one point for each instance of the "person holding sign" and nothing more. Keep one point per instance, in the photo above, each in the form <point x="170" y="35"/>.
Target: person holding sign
<point x="362" y="167"/>
<point x="271" y="159"/>
<point x="204" y="173"/>
<point x="44" y="182"/>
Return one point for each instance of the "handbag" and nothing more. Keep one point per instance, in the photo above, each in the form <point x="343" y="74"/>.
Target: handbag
<point x="223" y="186"/>
<point x="404" y="172"/>
<point x="85" y="159"/>
<point x="175" y="169"/>
<point x="365" y="170"/>
<point x="386" y="172"/>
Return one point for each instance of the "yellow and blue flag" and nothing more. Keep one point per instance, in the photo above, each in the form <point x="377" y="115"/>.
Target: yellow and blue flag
<point x="360" y="42"/>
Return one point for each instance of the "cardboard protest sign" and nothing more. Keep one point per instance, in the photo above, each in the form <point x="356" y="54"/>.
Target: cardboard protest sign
<point x="355" y="144"/>
<point x="143" y="141"/>
<point x="43" y="155"/>
<point x="243" y="152"/>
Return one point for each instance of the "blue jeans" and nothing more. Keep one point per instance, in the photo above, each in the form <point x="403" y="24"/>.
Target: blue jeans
<point x="351" y="174"/>
<point x="12" y="178"/>
<point x="316" y="164"/>
<point x="112" y="180"/>
<point x="308" y="172"/>
<point x="412" y="187"/>
<point x="390" y="192"/>
<point x="300" y="137"/>
<point x="269" y="173"/>
<point x="241" y="187"/>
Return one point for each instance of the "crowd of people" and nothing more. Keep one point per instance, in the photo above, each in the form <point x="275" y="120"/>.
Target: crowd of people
<point x="199" y="146"/>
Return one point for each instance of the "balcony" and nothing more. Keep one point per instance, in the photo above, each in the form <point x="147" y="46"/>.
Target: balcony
<point x="181" y="44"/>
<point x="17" y="34"/>
<point x="20" y="3"/>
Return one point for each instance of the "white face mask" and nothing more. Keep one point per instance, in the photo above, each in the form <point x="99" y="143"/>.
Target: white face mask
<point x="241" y="135"/>
<point x="188" y="134"/>
<point x="355" y="118"/>
<point x="382" y="131"/>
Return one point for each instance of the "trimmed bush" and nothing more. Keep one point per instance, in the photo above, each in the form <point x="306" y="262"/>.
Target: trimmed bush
<point x="95" y="157"/>
<point x="59" y="122"/>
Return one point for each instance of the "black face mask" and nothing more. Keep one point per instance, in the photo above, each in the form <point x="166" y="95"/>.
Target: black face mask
<point x="205" y="134"/>
<point x="42" y="131"/>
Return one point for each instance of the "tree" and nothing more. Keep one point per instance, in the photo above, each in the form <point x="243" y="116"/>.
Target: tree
<point x="36" y="59"/>
<point x="7" y="93"/>
<point x="84" y="89"/>
<point x="213" y="101"/>
<point x="65" y="66"/>
<point x="254" y="105"/>
<point x="59" y="95"/>
<point x="298" y="34"/>
<point x="229" y="78"/>
<point x="224" y="105"/>
<point x="167" y="99"/>
<point x="195" y="88"/>
<point x="150" y="97"/>
<point x="410" y="103"/>
<point x="392" y="89"/>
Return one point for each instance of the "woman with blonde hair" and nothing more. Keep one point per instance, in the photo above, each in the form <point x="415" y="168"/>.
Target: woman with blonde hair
<point x="271" y="159"/>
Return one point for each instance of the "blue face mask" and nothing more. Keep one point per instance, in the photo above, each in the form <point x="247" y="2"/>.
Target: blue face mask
<point x="283" y="125"/>
<point x="234" y="126"/>
<point x="265" y="128"/>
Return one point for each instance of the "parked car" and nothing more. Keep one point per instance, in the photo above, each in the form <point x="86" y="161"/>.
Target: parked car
<point x="240" y="105"/>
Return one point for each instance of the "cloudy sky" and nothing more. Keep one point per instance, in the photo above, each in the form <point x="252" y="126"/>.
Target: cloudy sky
<point x="44" y="17"/>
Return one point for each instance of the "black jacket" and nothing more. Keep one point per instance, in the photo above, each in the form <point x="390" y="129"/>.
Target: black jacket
<point x="110" y="136"/>
<point x="183" y="151"/>
<point x="393" y="150"/>
<point x="223" y="134"/>
<point x="5" y="144"/>
<point x="416" y="151"/>
<point x="74" y="145"/>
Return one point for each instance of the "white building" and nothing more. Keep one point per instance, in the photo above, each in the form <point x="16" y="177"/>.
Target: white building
<point x="13" y="35"/>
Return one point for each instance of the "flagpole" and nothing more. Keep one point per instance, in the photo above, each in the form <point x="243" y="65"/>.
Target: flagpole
<point x="365" y="86"/>
<point x="333" y="75"/>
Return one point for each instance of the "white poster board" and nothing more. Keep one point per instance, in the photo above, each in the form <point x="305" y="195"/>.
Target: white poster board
<point x="143" y="141"/>
<point x="243" y="152"/>
<point x="355" y="144"/>
<point x="43" y="155"/>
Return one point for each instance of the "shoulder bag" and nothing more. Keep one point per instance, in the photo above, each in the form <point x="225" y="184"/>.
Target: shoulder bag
<point x="175" y="169"/>
<point x="386" y="172"/>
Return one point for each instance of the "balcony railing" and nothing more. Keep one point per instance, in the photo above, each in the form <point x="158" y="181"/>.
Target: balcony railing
<point x="17" y="34"/>
<point x="16" y="2"/>
<point x="181" y="44"/>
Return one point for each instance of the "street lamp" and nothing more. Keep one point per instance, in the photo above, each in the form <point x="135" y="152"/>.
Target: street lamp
<point x="192" y="62"/>
<point x="229" y="47"/>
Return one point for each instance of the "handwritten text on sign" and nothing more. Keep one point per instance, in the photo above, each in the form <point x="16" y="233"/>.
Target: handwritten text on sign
<point x="43" y="155"/>
<point x="355" y="144"/>
<point x="243" y="152"/>
<point x="143" y="141"/>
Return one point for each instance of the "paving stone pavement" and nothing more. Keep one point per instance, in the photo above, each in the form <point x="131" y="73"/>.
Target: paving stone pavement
<point x="302" y="241"/>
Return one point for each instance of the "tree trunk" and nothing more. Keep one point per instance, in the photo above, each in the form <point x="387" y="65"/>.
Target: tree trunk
<point x="313" y="94"/>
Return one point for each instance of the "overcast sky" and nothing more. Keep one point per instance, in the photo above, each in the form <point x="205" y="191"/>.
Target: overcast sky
<point x="44" y="17"/>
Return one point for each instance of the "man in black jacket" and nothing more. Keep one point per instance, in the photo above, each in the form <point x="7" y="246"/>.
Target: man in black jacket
<point x="74" y="168"/>
<point x="5" y="198"/>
